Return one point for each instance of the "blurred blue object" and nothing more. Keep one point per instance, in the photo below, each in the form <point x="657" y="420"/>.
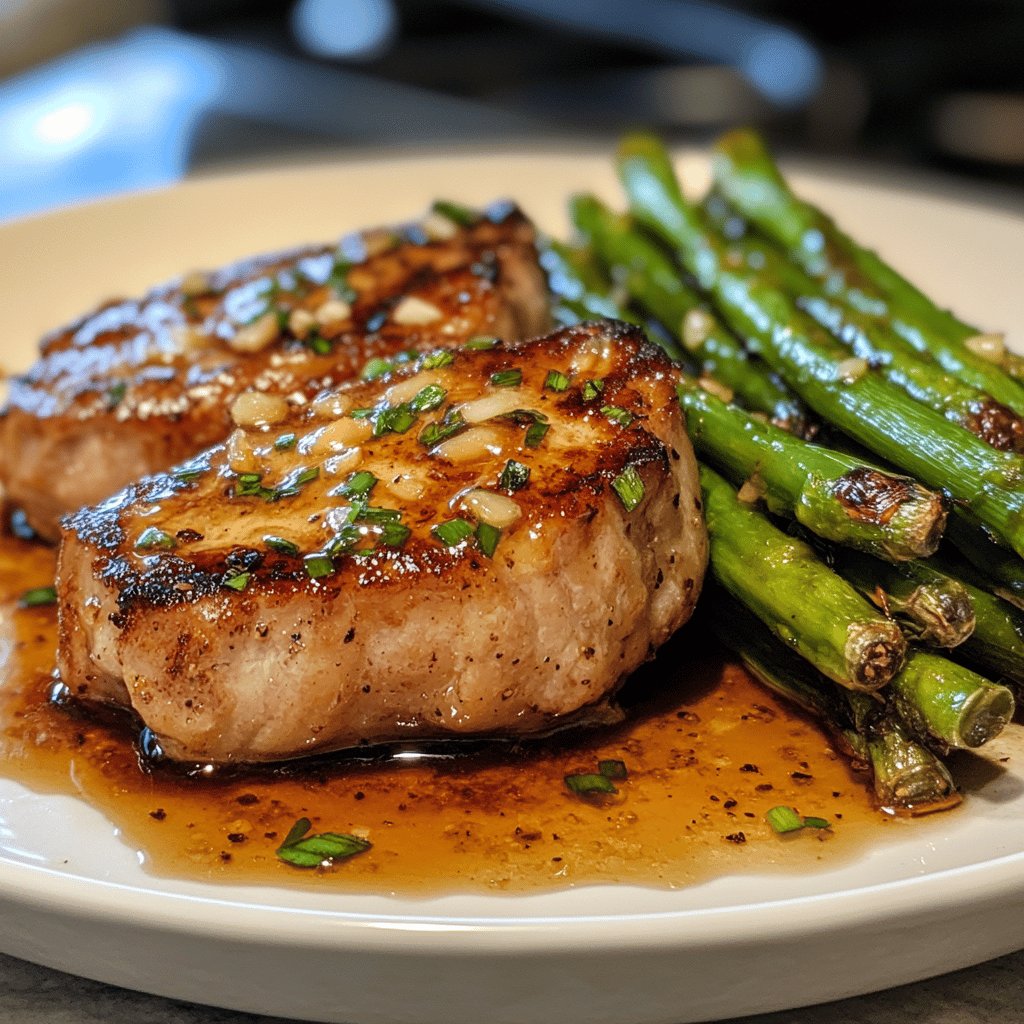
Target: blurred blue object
<point x="126" y="115"/>
<point x="106" y="119"/>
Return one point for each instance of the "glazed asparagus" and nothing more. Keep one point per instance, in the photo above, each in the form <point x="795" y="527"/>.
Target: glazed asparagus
<point x="783" y="582"/>
<point x="746" y="174"/>
<point x="907" y="776"/>
<point x="935" y="608"/>
<point x="874" y="412"/>
<point x="835" y="496"/>
<point x="654" y="283"/>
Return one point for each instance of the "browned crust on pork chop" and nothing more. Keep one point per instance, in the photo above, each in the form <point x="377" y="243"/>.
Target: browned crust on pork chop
<point x="248" y="608"/>
<point x="140" y="385"/>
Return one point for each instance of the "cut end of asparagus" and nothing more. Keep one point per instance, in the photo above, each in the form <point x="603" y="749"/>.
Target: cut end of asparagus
<point x="915" y="516"/>
<point x="941" y="613"/>
<point x="909" y="778"/>
<point x="986" y="714"/>
<point x="875" y="652"/>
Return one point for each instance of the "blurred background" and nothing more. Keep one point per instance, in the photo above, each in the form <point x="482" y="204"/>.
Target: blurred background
<point x="102" y="97"/>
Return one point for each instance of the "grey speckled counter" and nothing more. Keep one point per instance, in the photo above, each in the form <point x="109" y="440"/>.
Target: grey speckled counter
<point x="992" y="993"/>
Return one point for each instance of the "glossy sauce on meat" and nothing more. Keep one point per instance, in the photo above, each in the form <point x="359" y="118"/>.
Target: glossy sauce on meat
<point x="708" y="753"/>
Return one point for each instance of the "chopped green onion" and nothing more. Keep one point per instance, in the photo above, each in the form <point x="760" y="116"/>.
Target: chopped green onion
<point x="361" y="414"/>
<point x="338" y="280"/>
<point x="359" y="484"/>
<point x="434" y="433"/>
<point x="629" y="487"/>
<point x="115" y="394"/>
<point x="612" y="769"/>
<point x="302" y="850"/>
<point x="556" y="381"/>
<point x="394" y="534"/>
<point x="376" y="367"/>
<point x="515" y="476"/>
<point x="38" y="597"/>
<point x="435" y="360"/>
<point x="294" y="482"/>
<point x="617" y="415"/>
<point x="453" y="532"/>
<point x="585" y="784"/>
<point x="784" y="819"/>
<point x="429" y="398"/>
<point x="456" y="212"/>
<point x="817" y="823"/>
<point x="236" y="579"/>
<point x="507" y="378"/>
<point x="373" y="514"/>
<point x="319" y="344"/>
<point x="535" y="434"/>
<point x="487" y="538"/>
<point x="152" y="537"/>
<point x="395" y="419"/>
<point x="591" y="389"/>
<point x="280" y="545"/>
<point x="318" y="565"/>
<point x="285" y="441"/>
<point x="343" y="541"/>
<point x="481" y="343"/>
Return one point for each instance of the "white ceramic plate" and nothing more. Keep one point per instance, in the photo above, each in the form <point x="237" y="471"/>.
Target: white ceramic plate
<point x="72" y="896"/>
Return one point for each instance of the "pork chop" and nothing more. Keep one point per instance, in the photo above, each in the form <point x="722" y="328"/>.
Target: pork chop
<point x="139" y="385"/>
<point x="482" y="541"/>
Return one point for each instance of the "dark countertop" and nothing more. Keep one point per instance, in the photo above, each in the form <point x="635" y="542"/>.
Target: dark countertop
<point x="987" y="994"/>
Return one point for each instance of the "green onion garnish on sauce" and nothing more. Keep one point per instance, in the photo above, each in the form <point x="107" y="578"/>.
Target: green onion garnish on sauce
<point x="487" y="538"/>
<point x="458" y="214"/>
<point x="359" y="484"/>
<point x="153" y="537"/>
<point x="318" y="565"/>
<point x="38" y="597"/>
<point x="280" y="545"/>
<point x="515" y="476"/>
<point x="452" y="532"/>
<point x="613" y="769"/>
<point x="285" y="441"/>
<point x="586" y="783"/>
<point x="629" y="487"/>
<point x="556" y="381"/>
<point x="394" y="534"/>
<point x="236" y="580"/>
<point x="429" y="398"/>
<point x="786" y="819"/>
<point x="435" y="360"/>
<point x="302" y="850"/>
<point x="617" y="415"/>
<point x="507" y="378"/>
<point x="480" y="343"/>
<point x="591" y="389"/>
<point x="395" y="419"/>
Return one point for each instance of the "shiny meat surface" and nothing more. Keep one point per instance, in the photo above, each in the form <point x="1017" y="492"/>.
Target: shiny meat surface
<point x="141" y="384"/>
<point x="485" y="540"/>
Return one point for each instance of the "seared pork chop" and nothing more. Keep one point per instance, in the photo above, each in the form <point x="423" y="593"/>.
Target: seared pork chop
<point x="141" y="384"/>
<point x="484" y="540"/>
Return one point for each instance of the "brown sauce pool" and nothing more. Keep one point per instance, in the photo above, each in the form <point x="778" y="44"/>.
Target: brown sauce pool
<point x="708" y="753"/>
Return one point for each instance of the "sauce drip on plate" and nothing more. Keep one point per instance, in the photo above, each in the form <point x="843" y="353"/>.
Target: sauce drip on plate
<point x="708" y="752"/>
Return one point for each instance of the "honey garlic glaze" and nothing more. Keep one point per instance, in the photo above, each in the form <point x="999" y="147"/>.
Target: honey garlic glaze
<point x="708" y="753"/>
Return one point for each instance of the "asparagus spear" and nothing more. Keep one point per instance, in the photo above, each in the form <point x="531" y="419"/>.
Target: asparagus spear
<point x="820" y="615"/>
<point x="995" y="568"/>
<point x="653" y="281"/>
<point x="936" y="608"/>
<point x="745" y="172"/>
<point x="579" y="293"/>
<point x="948" y="702"/>
<point x="925" y="381"/>
<point x="871" y="410"/>
<point x="835" y="496"/>
<point x="996" y="644"/>
<point x="907" y="776"/>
